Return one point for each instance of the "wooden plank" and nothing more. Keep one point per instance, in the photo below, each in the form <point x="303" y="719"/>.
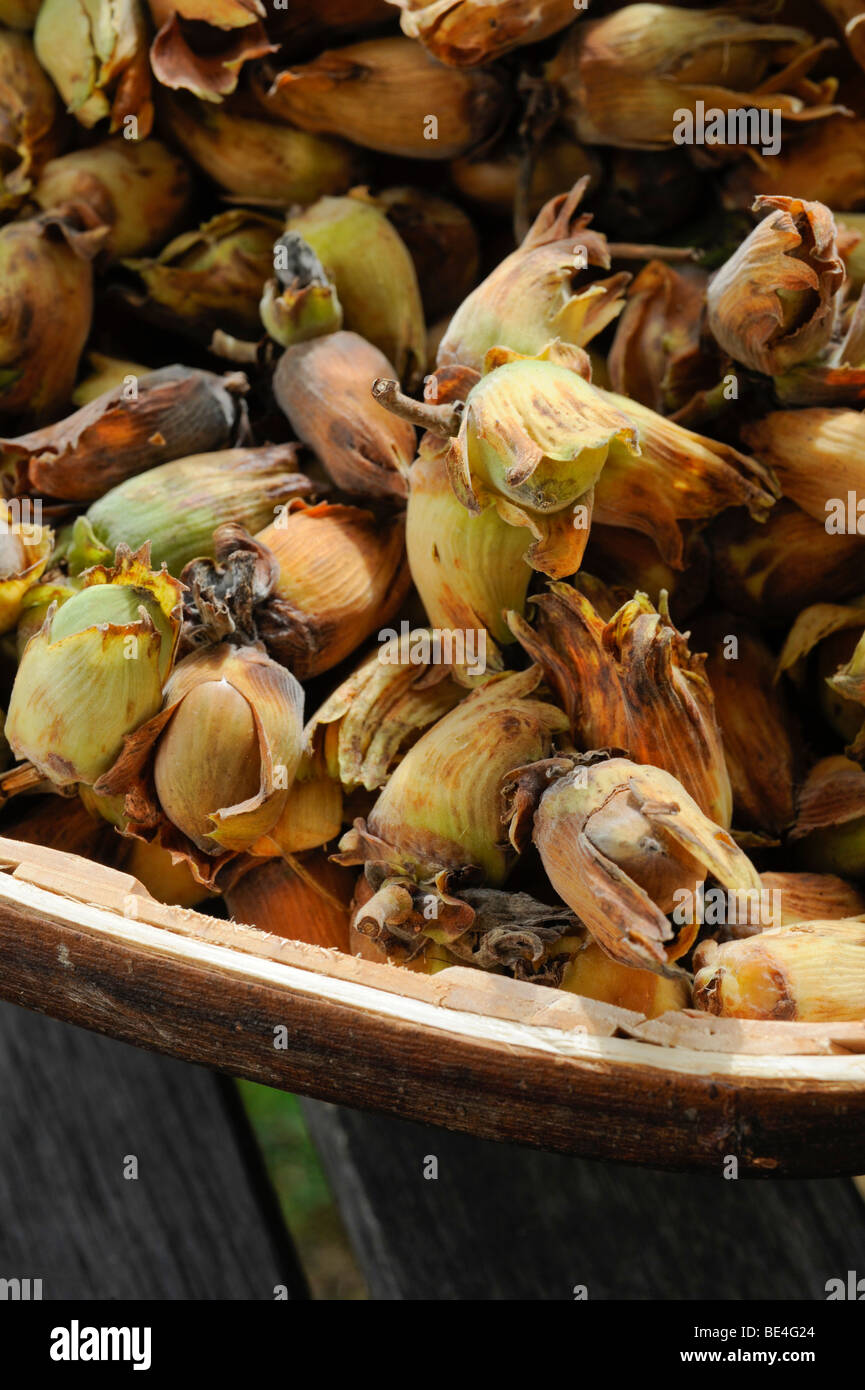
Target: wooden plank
<point x="492" y="1078"/>
<point x="501" y="1222"/>
<point x="193" y="1225"/>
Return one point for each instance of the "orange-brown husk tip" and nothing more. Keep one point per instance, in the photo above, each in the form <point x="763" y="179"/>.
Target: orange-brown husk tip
<point x="755" y="721"/>
<point x="210" y="774"/>
<point x="678" y="477"/>
<point x="492" y="179"/>
<point x="441" y="808"/>
<point x="208" y="56"/>
<point x="541" y="292"/>
<point x="632" y="683"/>
<point x="145" y="421"/>
<point x="818" y="456"/>
<point x="392" y="97"/>
<point x="775" y="302"/>
<point x="304" y="899"/>
<point x="323" y="387"/>
<point x="465" y="33"/>
<point x="812" y="972"/>
<point x="629" y="78"/>
<point x="829" y="832"/>
<point x="342" y="576"/>
<point x="370" y="721"/>
<point x="624" y="846"/>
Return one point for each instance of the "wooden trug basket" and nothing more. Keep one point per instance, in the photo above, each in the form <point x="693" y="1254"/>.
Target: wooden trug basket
<point x="487" y="1055"/>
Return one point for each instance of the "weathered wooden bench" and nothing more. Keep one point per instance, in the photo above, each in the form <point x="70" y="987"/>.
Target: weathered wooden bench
<point x="484" y="1221"/>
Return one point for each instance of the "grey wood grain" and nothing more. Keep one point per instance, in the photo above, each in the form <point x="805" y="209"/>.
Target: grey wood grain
<point x="195" y="1224"/>
<point x="502" y="1222"/>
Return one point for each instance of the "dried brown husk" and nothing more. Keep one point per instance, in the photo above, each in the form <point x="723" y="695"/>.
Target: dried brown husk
<point x="305" y="899"/>
<point x="383" y="91"/>
<point x="620" y="842"/>
<point x="631" y="683"/>
<point x="623" y="79"/>
<point x="678" y="476"/>
<point x="32" y="128"/>
<point x="541" y="292"/>
<point x="829" y="833"/>
<point x="818" y="456"/>
<point x="256" y="159"/>
<point x="813" y="897"/>
<point x="342" y="575"/>
<point x="323" y="387"/>
<point x="659" y="356"/>
<point x="630" y="560"/>
<point x="46" y="306"/>
<point x="775" y="302"/>
<point x="442" y="243"/>
<point x="826" y="165"/>
<point x="464" y="33"/>
<point x="202" y="47"/>
<point x="369" y="722"/>
<point x="441" y="808"/>
<point x="755" y="720"/>
<point x="468" y="568"/>
<point x="208" y="279"/>
<point x="173" y="412"/>
<point x="139" y="189"/>
<point x="771" y="570"/>
<point x="813" y="972"/>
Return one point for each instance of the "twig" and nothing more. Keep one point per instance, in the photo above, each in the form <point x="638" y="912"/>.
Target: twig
<point x="439" y="419"/>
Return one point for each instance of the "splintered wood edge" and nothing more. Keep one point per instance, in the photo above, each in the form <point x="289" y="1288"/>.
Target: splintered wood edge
<point x="62" y="887"/>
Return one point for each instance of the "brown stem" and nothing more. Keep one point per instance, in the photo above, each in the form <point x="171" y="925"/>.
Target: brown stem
<point x="633" y="251"/>
<point x="234" y="349"/>
<point x="23" y="778"/>
<point x="439" y="419"/>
